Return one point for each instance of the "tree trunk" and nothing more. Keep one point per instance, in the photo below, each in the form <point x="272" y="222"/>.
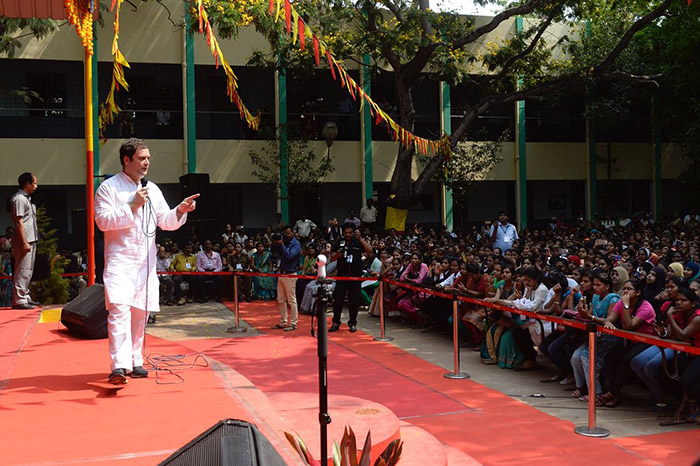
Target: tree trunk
<point x="401" y="180"/>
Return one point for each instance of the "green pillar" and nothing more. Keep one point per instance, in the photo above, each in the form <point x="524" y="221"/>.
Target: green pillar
<point x="591" y="156"/>
<point x="191" y="101"/>
<point x="95" y="112"/>
<point x="520" y="151"/>
<point x="284" y="158"/>
<point x="446" y="123"/>
<point x="657" y="163"/>
<point x="368" y="184"/>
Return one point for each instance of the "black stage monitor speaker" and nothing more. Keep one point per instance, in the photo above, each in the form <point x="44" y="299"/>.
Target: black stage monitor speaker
<point x="193" y="183"/>
<point x="229" y="442"/>
<point x="86" y="315"/>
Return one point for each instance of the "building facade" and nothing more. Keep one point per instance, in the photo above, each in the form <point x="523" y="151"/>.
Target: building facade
<point x="550" y="165"/>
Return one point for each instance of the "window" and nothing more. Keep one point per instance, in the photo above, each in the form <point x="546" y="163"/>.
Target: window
<point x="314" y="99"/>
<point x="41" y="99"/>
<point x="217" y="116"/>
<point x="489" y="126"/>
<point x="152" y="108"/>
<point x="558" y="119"/>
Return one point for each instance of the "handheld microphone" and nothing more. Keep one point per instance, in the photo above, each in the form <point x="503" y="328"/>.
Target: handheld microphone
<point x="144" y="182"/>
<point x="321" y="264"/>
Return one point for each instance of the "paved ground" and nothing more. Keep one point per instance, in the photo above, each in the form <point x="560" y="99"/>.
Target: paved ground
<point x="212" y="320"/>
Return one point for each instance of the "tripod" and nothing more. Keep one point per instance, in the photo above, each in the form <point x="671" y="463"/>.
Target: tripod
<point x="324" y="418"/>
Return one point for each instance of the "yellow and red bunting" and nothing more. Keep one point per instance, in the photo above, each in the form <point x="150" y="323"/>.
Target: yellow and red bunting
<point x="231" y="79"/>
<point x="109" y="108"/>
<point x="297" y="29"/>
<point x="80" y="15"/>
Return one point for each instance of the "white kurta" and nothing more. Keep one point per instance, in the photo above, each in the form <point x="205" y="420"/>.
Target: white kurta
<point x="130" y="243"/>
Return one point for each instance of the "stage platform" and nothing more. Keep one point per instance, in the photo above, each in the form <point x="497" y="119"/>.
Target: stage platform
<point x="55" y="408"/>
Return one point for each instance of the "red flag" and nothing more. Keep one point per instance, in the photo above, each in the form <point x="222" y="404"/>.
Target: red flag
<point x="288" y="15"/>
<point x="316" y="57"/>
<point x="272" y="6"/>
<point x="330" y="63"/>
<point x="302" y="39"/>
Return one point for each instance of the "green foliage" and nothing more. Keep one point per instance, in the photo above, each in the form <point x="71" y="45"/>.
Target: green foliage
<point x="345" y="453"/>
<point x="469" y="164"/>
<point x="55" y="289"/>
<point x="306" y="168"/>
<point x="27" y="95"/>
<point x="9" y="40"/>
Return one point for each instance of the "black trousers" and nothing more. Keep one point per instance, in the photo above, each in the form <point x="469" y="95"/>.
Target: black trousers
<point x="691" y="378"/>
<point x="524" y="341"/>
<point x="617" y="363"/>
<point x="352" y="289"/>
<point x="202" y="286"/>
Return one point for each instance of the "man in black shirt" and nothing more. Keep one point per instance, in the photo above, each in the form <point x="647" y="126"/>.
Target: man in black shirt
<point x="349" y="257"/>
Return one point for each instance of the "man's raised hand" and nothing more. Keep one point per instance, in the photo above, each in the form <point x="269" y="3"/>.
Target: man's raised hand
<point x="188" y="204"/>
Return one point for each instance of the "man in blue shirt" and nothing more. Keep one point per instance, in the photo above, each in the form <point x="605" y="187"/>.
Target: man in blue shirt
<point x="288" y="250"/>
<point x="503" y="234"/>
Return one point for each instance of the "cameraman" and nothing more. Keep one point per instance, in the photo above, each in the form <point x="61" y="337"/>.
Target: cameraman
<point x="288" y="249"/>
<point x="349" y="257"/>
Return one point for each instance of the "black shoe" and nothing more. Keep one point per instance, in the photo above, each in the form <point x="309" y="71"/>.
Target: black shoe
<point x="334" y="328"/>
<point x="353" y="329"/>
<point x="34" y="303"/>
<point x="118" y="377"/>
<point x="138" y="373"/>
<point x="23" y="306"/>
<point x="151" y="319"/>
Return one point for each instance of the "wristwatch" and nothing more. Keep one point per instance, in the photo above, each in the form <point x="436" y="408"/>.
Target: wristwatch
<point x="627" y="306"/>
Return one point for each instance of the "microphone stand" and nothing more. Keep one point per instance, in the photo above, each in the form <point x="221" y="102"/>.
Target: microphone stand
<point x="322" y="298"/>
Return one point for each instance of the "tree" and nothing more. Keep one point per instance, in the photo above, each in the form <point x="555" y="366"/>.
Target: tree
<point x="55" y="289"/>
<point x="306" y="168"/>
<point x="416" y="43"/>
<point x="37" y="28"/>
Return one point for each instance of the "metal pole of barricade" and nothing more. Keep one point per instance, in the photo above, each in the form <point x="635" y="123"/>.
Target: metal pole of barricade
<point x="455" y="342"/>
<point x="236" y="328"/>
<point x="382" y="321"/>
<point x="591" y="430"/>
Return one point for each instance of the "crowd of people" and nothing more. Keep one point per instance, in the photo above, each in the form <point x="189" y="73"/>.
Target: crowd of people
<point x="630" y="274"/>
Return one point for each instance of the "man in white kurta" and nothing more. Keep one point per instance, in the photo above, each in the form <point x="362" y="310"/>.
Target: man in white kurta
<point x="128" y="214"/>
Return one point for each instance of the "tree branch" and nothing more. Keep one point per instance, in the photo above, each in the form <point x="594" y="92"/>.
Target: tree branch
<point x="636" y="27"/>
<point x="394" y="9"/>
<point x="641" y="78"/>
<point x="511" y="61"/>
<point x="495" y="22"/>
<point x="391" y="57"/>
<point x="538" y="89"/>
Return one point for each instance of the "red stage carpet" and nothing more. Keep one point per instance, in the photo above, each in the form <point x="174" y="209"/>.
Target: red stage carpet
<point x="484" y="423"/>
<point x="54" y="410"/>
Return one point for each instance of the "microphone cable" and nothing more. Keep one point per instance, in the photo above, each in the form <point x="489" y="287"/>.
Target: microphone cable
<point x="147" y="218"/>
<point x="157" y="361"/>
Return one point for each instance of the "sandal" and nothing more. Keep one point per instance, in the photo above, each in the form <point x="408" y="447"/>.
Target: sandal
<point x="605" y="397"/>
<point x="578" y="393"/>
<point x="583" y="398"/>
<point x="599" y="401"/>
<point x="279" y="327"/>
<point x="613" y="402"/>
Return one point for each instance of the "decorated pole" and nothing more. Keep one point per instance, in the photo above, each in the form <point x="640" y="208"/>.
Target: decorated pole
<point x="89" y="174"/>
<point x="81" y="15"/>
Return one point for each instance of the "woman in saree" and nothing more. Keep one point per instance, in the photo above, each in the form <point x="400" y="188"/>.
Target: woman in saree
<point x="263" y="287"/>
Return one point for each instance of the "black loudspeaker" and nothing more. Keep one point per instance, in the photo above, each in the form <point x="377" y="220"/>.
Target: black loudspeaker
<point x="228" y="442"/>
<point x="86" y="315"/>
<point x="193" y="183"/>
<point x="42" y="268"/>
